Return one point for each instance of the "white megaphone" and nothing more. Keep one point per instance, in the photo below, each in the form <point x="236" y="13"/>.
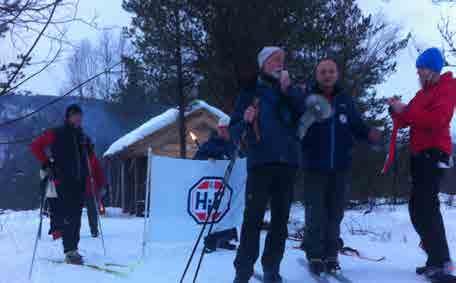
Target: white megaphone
<point x="318" y="109"/>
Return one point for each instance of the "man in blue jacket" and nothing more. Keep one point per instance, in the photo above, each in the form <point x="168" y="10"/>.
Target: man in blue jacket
<point x="219" y="145"/>
<point x="265" y="122"/>
<point x="327" y="156"/>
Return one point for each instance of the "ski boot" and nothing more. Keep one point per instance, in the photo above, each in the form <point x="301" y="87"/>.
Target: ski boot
<point x="95" y="234"/>
<point x="332" y="265"/>
<point x="316" y="266"/>
<point x="272" y="277"/>
<point x="73" y="257"/>
<point x="240" y="279"/>
<point x="437" y="273"/>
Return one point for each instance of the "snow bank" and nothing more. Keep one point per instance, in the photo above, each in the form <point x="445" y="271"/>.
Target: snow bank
<point x="167" y="118"/>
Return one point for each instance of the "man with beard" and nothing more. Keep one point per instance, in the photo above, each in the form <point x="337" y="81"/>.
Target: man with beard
<point x="265" y="121"/>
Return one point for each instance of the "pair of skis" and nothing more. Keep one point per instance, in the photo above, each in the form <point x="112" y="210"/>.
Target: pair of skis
<point x="348" y="251"/>
<point x="109" y="268"/>
<point x="339" y="277"/>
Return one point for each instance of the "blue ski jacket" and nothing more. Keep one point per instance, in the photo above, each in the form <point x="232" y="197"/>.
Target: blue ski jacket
<point x="328" y="145"/>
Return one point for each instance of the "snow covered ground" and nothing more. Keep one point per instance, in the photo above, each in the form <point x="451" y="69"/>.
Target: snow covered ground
<point x="381" y="233"/>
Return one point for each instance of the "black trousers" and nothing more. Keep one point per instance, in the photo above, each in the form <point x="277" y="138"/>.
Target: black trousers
<point x="325" y="195"/>
<point x="92" y="214"/>
<point x="56" y="219"/>
<point x="70" y="199"/>
<point x="424" y="206"/>
<point x="266" y="184"/>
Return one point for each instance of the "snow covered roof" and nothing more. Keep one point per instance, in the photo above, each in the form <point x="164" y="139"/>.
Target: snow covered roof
<point x="158" y="122"/>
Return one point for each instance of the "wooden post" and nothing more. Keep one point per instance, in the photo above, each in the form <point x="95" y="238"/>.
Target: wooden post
<point x="135" y="198"/>
<point x="118" y="181"/>
<point x="122" y="186"/>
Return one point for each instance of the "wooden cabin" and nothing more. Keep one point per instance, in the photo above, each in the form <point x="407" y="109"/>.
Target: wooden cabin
<point x="126" y="159"/>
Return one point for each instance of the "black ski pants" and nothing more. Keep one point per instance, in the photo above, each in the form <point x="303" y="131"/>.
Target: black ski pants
<point x="265" y="184"/>
<point x="70" y="203"/>
<point x="325" y="198"/>
<point x="56" y="219"/>
<point x="424" y="205"/>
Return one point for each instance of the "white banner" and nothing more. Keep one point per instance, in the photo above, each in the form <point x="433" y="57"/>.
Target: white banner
<point x="182" y="192"/>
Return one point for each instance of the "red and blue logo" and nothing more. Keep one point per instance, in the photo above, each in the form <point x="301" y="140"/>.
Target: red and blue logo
<point x="201" y="198"/>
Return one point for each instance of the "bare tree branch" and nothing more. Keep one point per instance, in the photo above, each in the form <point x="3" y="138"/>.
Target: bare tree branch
<point x="25" y="23"/>
<point x="26" y="57"/>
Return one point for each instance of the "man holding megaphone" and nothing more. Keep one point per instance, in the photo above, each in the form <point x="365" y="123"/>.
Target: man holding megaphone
<point x="327" y="154"/>
<point x="265" y="121"/>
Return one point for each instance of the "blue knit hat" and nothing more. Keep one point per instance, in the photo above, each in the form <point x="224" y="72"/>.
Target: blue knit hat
<point x="431" y="59"/>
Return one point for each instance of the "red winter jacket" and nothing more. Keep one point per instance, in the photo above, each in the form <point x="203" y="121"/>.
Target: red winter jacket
<point x="46" y="140"/>
<point x="429" y="115"/>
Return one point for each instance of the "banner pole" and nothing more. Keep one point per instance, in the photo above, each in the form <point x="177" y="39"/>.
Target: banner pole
<point x="147" y="202"/>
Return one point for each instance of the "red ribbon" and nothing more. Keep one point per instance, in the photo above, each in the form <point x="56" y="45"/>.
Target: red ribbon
<point x="392" y="148"/>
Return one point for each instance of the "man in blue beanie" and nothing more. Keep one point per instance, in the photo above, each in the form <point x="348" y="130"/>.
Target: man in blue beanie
<point x="428" y="115"/>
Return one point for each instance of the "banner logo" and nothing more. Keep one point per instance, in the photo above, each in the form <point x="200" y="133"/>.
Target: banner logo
<point x="201" y="198"/>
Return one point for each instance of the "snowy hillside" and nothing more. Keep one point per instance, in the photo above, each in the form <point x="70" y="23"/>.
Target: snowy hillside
<point x="381" y="233"/>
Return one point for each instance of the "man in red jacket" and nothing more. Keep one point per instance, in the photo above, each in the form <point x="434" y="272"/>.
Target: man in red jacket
<point x="428" y="115"/>
<point x="69" y="161"/>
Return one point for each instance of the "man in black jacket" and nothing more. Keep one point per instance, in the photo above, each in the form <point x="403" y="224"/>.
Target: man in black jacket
<point x="69" y="163"/>
<point x="327" y="155"/>
<point x="265" y="120"/>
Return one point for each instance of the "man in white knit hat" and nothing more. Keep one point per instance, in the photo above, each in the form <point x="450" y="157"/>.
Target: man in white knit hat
<point x="265" y="121"/>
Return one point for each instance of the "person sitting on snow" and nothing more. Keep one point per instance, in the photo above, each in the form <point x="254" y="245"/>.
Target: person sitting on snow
<point x="70" y="157"/>
<point x="327" y="148"/>
<point x="428" y="115"/>
<point x="266" y="121"/>
<point x="218" y="147"/>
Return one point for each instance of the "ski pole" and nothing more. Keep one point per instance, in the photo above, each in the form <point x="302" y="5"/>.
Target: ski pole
<point x="38" y="234"/>
<point x="95" y="201"/>
<point x="206" y="222"/>
<point x="216" y="207"/>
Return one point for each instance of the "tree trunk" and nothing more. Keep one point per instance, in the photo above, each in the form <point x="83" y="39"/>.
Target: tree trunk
<point x="180" y="86"/>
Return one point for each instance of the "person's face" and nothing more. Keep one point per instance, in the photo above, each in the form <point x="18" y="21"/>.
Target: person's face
<point x="275" y="64"/>
<point x="75" y="120"/>
<point x="327" y="74"/>
<point x="426" y="77"/>
<point x="223" y="132"/>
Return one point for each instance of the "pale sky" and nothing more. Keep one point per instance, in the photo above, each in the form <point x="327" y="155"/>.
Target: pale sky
<point x="107" y="14"/>
<point x="420" y="17"/>
<point x="417" y="16"/>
